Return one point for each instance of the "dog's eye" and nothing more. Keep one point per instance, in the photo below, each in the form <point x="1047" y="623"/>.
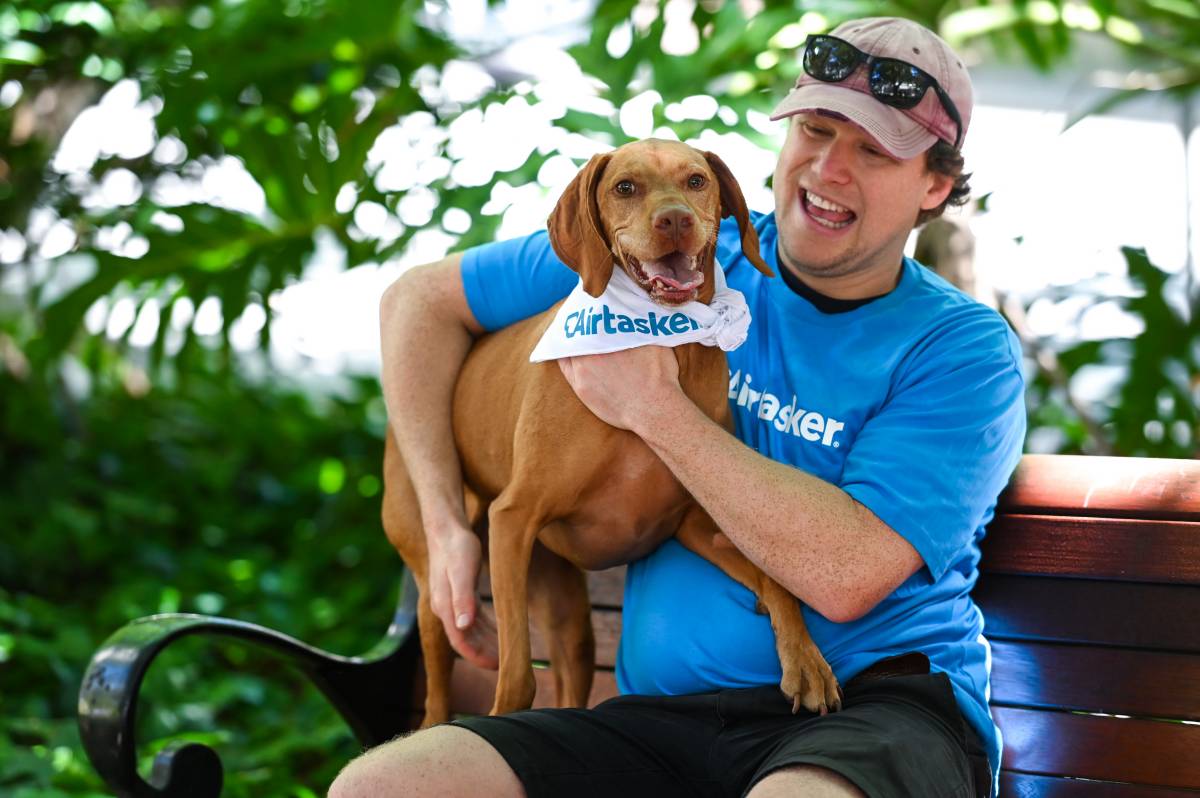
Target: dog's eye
<point x="697" y="181"/>
<point x="625" y="188"/>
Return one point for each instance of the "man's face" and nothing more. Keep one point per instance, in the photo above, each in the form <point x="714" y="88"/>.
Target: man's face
<point x="845" y="207"/>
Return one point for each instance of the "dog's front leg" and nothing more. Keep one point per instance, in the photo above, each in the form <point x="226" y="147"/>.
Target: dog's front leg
<point x="512" y="530"/>
<point x="807" y="678"/>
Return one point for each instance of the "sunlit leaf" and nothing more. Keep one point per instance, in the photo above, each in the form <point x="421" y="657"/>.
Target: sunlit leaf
<point x="21" y="52"/>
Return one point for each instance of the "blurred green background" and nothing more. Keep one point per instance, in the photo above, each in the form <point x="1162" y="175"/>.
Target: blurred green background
<point x="178" y="470"/>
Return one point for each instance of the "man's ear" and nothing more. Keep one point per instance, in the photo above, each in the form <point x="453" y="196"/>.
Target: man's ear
<point x="577" y="232"/>
<point x="939" y="188"/>
<point x="734" y="204"/>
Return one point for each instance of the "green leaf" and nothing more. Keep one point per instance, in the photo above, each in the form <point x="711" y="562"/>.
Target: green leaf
<point x="21" y="52"/>
<point x="84" y="13"/>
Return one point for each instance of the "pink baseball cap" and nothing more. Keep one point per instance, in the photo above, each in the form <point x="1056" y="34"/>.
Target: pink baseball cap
<point x="903" y="133"/>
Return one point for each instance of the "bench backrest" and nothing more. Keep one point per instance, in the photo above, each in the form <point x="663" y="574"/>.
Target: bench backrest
<point x="1090" y="586"/>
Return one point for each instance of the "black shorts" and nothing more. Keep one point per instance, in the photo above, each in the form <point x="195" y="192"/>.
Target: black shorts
<point x="900" y="736"/>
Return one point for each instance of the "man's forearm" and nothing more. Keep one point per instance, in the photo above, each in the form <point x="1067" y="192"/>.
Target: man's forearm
<point x="810" y="536"/>
<point x="427" y="329"/>
<point x="423" y="346"/>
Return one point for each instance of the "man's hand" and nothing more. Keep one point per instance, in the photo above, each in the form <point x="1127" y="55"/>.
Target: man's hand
<point x="454" y="558"/>
<point x="624" y="388"/>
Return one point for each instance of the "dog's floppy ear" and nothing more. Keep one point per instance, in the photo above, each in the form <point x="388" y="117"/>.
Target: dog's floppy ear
<point x="734" y="204"/>
<point x="576" y="231"/>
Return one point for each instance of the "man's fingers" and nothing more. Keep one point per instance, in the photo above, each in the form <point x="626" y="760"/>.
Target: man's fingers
<point x="462" y="598"/>
<point x="485" y="643"/>
<point x="567" y="366"/>
<point x="454" y="560"/>
<point x="441" y="595"/>
<point x="478" y="644"/>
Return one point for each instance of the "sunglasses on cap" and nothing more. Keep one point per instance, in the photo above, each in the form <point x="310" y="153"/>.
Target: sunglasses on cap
<point x="892" y="81"/>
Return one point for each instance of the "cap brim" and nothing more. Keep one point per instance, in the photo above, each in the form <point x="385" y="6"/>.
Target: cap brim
<point x="899" y="135"/>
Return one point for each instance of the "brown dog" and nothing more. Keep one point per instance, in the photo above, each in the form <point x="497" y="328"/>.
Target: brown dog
<point x="561" y="488"/>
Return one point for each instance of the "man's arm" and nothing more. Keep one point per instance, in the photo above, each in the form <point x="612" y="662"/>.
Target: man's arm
<point x="426" y="329"/>
<point x="810" y="536"/>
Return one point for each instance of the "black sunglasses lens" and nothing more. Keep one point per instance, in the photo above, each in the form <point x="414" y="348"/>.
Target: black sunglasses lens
<point x="896" y="83"/>
<point x="828" y="59"/>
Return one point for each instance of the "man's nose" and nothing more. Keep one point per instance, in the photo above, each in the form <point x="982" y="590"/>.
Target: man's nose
<point x="673" y="221"/>
<point x="832" y="163"/>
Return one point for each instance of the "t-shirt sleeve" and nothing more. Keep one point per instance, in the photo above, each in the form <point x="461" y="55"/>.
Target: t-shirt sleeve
<point x="512" y="280"/>
<point x="932" y="461"/>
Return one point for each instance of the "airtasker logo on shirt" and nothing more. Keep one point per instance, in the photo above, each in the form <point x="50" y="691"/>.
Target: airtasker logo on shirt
<point x="591" y="321"/>
<point x="807" y="424"/>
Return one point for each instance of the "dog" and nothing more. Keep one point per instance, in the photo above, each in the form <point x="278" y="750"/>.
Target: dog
<point x="529" y="448"/>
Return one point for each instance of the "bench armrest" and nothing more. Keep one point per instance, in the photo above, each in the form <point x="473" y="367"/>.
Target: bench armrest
<point x="372" y="693"/>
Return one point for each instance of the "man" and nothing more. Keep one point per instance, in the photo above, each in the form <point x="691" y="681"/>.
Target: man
<point x="878" y="414"/>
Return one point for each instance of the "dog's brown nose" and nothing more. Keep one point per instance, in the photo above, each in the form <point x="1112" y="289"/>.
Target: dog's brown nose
<point x="674" y="221"/>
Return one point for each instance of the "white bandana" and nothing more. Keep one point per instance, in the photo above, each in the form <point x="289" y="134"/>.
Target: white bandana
<point x="624" y="317"/>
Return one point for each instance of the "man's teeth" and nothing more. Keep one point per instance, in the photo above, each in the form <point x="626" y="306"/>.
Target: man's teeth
<point x="821" y="202"/>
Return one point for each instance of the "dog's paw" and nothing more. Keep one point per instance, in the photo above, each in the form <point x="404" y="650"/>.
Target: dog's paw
<point x="809" y="682"/>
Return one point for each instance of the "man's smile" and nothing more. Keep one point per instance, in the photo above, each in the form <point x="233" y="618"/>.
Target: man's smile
<point x="824" y="212"/>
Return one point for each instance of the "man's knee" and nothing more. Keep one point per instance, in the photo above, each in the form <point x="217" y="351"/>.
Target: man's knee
<point x="442" y="761"/>
<point x="807" y="780"/>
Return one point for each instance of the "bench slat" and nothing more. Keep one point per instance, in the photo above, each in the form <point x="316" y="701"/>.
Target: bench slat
<point x="1099" y="679"/>
<point x="1023" y="674"/>
<point x="1117" y="614"/>
<point x="1111" y="680"/>
<point x="605" y="588"/>
<point x="604" y="687"/>
<point x="1112" y="614"/>
<point x="1105" y="486"/>
<point x="1100" y="548"/>
<point x="1025" y="785"/>
<point x="1159" y="617"/>
<point x="472" y="689"/>
<point x="1158" y="753"/>
<point x="606" y="626"/>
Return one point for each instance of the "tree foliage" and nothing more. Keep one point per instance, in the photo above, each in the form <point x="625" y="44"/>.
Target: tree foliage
<point x="299" y="93"/>
<point x="177" y="477"/>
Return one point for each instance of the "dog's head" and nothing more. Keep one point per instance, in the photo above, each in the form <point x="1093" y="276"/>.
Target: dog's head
<point x="654" y="207"/>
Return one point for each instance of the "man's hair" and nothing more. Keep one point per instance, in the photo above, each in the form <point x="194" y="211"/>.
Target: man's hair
<point x="943" y="159"/>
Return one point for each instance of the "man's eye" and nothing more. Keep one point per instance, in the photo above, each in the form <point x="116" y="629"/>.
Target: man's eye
<point x="625" y="188"/>
<point x="813" y="130"/>
<point x="697" y="181"/>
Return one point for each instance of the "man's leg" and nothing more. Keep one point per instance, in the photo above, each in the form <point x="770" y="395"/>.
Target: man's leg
<point x="896" y="737"/>
<point x="443" y="761"/>
<point x="806" y="780"/>
<point x="629" y="746"/>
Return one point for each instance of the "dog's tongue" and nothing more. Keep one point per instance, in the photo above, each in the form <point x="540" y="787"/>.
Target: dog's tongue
<point x="674" y="270"/>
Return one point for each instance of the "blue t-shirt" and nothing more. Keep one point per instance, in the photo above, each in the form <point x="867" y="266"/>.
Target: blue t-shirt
<point x="911" y="403"/>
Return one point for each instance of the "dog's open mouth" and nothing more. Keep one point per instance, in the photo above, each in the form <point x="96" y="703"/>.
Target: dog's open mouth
<point x="670" y="280"/>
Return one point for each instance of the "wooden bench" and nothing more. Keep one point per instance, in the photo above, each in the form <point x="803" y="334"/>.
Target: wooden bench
<point x="1090" y="587"/>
